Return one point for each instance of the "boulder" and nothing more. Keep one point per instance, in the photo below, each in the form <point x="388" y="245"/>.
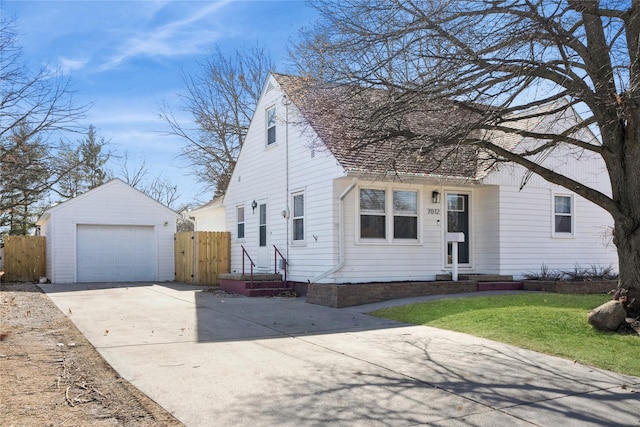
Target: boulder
<point x="608" y="317"/>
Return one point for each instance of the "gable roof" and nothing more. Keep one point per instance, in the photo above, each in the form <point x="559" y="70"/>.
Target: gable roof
<point x="212" y="204"/>
<point x="116" y="182"/>
<point x="404" y="143"/>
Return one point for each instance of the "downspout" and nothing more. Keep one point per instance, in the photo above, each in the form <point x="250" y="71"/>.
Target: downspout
<point x="286" y="103"/>
<point x="340" y="263"/>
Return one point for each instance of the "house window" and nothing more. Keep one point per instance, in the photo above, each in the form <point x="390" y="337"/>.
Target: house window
<point x="271" y="126"/>
<point x="405" y="215"/>
<point x="372" y="214"/>
<point x="563" y="214"/>
<point x="298" y="217"/>
<point x="240" y="221"/>
<point x="455" y="203"/>
<point x="262" y="225"/>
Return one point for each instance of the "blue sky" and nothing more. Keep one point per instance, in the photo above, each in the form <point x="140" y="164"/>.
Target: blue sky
<point x="128" y="57"/>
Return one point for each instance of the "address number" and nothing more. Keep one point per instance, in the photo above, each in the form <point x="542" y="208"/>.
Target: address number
<point x="433" y="211"/>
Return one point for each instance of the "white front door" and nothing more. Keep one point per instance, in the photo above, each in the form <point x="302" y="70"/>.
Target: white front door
<point x="458" y="221"/>
<point x="263" y="237"/>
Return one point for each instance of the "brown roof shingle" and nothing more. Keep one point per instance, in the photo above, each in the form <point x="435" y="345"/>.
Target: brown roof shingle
<point x="377" y="139"/>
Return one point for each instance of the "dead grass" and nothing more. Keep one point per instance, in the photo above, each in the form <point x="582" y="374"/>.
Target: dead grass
<point x="50" y="375"/>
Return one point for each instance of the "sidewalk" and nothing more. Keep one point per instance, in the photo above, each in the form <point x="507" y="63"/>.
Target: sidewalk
<point x="282" y="362"/>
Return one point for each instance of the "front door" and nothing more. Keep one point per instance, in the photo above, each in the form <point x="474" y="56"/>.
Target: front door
<point x="263" y="237"/>
<point x="458" y="221"/>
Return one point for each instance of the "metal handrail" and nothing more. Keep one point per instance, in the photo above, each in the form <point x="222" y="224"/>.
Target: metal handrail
<point x="275" y="262"/>
<point x="244" y="252"/>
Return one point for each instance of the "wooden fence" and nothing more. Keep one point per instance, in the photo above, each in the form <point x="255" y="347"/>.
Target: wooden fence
<point x="201" y="256"/>
<point x="25" y="258"/>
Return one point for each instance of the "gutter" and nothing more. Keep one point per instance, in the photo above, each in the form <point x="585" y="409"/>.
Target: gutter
<point x="340" y="263"/>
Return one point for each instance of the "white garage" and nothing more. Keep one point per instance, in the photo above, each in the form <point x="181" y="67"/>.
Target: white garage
<point x="113" y="233"/>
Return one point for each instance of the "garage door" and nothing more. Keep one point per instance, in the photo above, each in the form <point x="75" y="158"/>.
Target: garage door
<point x="115" y="253"/>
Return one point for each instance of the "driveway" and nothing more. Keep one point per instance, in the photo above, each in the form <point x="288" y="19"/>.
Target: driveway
<point x="213" y="360"/>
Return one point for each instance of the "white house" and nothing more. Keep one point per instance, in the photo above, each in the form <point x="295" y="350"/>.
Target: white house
<point x="338" y="219"/>
<point x="209" y="217"/>
<point x="112" y="233"/>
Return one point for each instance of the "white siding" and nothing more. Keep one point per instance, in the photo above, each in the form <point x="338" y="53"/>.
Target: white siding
<point x="372" y="261"/>
<point x="526" y="219"/>
<point x="486" y="225"/>
<point x="271" y="174"/>
<point x="114" y="203"/>
<point x="209" y="219"/>
<point x="527" y="241"/>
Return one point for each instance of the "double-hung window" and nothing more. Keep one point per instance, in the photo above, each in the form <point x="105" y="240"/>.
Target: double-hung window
<point x="298" y="217"/>
<point x="373" y="224"/>
<point x="271" y="126"/>
<point x="405" y="214"/>
<point x="563" y="215"/>
<point x="240" y="221"/>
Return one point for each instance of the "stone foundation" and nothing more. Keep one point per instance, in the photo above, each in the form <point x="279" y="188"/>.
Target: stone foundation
<point x="338" y="296"/>
<point x="569" y="287"/>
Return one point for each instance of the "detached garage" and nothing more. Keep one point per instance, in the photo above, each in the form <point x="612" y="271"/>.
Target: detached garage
<point x="113" y="233"/>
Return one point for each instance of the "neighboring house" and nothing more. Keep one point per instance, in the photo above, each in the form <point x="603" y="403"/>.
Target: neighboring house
<point x="339" y="219"/>
<point x="112" y="233"/>
<point x="209" y="217"/>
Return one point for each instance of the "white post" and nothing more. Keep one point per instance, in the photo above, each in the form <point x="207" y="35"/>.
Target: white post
<point x="454" y="261"/>
<point x="454" y="239"/>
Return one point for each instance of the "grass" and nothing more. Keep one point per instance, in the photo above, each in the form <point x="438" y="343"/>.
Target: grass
<point x="554" y="324"/>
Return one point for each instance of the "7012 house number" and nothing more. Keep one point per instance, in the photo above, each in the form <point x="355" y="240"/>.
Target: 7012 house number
<point x="433" y="211"/>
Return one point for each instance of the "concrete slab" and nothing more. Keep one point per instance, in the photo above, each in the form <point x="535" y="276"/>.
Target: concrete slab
<point x="278" y="361"/>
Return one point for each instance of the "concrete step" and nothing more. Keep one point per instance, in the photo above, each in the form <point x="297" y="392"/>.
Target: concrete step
<point x="256" y="288"/>
<point x="270" y="292"/>
<point x="476" y="277"/>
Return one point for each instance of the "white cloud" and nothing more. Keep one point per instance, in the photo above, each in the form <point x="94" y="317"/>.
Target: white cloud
<point x="68" y="65"/>
<point x="179" y="37"/>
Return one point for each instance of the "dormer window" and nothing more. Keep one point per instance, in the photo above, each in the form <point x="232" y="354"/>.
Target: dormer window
<point x="271" y="126"/>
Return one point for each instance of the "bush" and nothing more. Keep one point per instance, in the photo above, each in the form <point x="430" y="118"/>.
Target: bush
<point x="578" y="274"/>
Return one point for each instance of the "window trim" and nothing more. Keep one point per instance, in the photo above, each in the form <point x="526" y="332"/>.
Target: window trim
<point x="243" y="223"/>
<point x="389" y="217"/>
<point x="571" y="215"/>
<point x="299" y="217"/>
<point x="268" y="127"/>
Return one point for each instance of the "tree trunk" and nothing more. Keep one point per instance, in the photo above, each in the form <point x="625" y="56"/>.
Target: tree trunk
<point x="627" y="240"/>
<point x="621" y="136"/>
<point x="626" y="237"/>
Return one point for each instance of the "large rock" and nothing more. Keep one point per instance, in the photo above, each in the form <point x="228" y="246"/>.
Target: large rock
<point x="608" y="317"/>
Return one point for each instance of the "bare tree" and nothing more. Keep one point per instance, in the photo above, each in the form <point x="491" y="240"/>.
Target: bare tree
<point x="158" y="187"/>
<point x="499" y="60"/>
<point x="24" y="179"/>
<point x="34" y="107"/>
<point x="221" y="100"/>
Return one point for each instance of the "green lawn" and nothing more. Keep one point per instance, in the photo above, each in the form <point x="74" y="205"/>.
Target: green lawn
<point x="549" y="323"/>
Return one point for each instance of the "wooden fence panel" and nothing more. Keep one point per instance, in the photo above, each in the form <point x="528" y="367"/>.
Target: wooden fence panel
<point x="201" y="256"/>
<point x="184" y="256"/>
<point x="25" y="258"/>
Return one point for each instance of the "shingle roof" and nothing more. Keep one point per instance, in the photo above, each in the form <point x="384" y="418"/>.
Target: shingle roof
<point x="400" y="143"/>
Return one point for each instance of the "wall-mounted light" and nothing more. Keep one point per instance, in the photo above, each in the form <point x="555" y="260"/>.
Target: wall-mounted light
<point x="254" y="205"/>
<point x="435" y="196"/>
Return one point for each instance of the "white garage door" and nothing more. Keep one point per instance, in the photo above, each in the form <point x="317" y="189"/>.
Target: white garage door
<point x="115" y="253"/>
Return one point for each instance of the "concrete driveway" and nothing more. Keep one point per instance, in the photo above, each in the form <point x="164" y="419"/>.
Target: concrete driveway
<point x="282" y="362"/>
